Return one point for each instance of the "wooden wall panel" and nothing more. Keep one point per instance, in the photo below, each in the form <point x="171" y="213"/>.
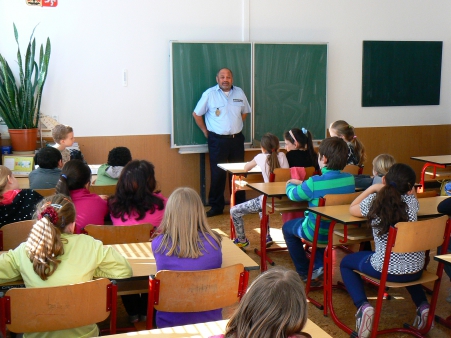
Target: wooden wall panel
<point x="174" y="170"/>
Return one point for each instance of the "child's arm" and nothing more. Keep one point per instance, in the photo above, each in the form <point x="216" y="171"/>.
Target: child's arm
<point x="354" y="209"/>
<point x="249" y="165"/>
<point x="294" y="181"/>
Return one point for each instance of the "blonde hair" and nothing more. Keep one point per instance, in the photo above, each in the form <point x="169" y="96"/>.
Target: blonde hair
<point x="345" y="130"/>
<point x="274" y="306"/>
<point x="60" y="131"/>
<point x="4" y="174"/>
<point x="44" y="244"/>
<point x="184" y="218"/>
<point x="382" y="163"/>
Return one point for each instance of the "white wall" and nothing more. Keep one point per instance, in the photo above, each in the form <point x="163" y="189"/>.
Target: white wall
<point x="93" y="41"/>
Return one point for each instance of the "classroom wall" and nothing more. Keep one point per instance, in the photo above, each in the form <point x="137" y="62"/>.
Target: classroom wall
<point x="93" y="41"/>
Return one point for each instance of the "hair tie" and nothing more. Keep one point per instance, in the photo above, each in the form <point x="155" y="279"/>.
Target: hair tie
<point x="273" y="150"/>
<point x="393" y="184"/>
<point x="349" y="126"/>
<point x="63" y="175"/>
<point x="304" y="131"/>
<point x="50" y="213"/>
<point x="355" y="136"/>
<point x="291" y="134"/>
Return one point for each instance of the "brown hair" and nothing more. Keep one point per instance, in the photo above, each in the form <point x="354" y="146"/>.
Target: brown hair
<point x="74" y="175"/>
<point x="345" y="130"/>
<point x="303" y="139"/>
<point x="184" y="218"/>
<point x="336" y="152"/>
<point x="274" y="306"/>
<point x="44" y="244"/>
<point x="270" y="143"/>
<point x="4" y="174"/>
<point x="60" y="131"/>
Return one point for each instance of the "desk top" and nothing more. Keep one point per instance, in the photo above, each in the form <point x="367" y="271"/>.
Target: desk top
<point x="271" y="189"/>
<point x="205" y="330"/>
<point x="140" y="257"/>
<point x="444" y="258"/>
<point x="238" y="168"/>
<point x="439" y="159"/>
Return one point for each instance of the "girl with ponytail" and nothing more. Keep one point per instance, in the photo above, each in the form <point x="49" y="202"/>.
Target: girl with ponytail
<point x="269" y="159"/>
<point x="385" y="204"/>
<point x="53" y="256"/>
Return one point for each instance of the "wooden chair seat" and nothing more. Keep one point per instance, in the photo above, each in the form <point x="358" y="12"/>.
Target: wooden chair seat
<point x="425" y="278"/>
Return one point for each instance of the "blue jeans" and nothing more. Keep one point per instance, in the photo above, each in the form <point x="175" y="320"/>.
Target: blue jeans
<point x="292" y="232"/>
<point x="354" y="284"/>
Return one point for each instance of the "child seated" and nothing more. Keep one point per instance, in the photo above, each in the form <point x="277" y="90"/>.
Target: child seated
<point x="331" y="159"/>
<point x="274" y="306"/>
<point x="74" y="182"/>
<point x="109" y="173"/>
<point x="381" y="164"/>
<point x="50" y="162"/>
<point x="54" y="256"/>
<point x="15" y="204"/>
<point x="185" y="242"/>
<point x="64" y="137"/>
<point x="356" y="150"/>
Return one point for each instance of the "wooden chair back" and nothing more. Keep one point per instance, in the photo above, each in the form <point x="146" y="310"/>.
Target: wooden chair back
<point x="59" y="307"/>
<point x="351" y="169"/>
<point x="340" y="199"/>
<point x="202" y="290"/>
<point x="46" y="192"/>
<point x="111" y="234"/>
<point x="430" y="232"/>
<point x="282" y="174"/>
<point x="12" y="234"/>
<point x="102" y="189"/>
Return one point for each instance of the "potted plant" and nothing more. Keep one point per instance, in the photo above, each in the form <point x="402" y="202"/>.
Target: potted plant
<point x="20" y="100"/>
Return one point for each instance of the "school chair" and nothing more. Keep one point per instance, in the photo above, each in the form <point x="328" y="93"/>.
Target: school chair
<point x="353" y="169"/>
<point x="405" y="237"/>
<point x="343" y="235"/>
<point x="46" y="192"/>
<point x="12" y="234"/>
<point x="54" y="308"/>
<point x="113" y="234"/>
<point x="202" y="290"/>
<point x="102" y="189"/>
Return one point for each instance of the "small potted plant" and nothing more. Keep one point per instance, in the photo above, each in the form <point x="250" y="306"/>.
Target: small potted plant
<point x="20" y="99"/>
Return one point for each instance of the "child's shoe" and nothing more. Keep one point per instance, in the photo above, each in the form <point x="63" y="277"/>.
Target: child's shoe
<point x="364" y="320"/>
<point x="133" y="319"/>
<point x="240" y="244"/>
<point x="269" y="241"/>
<point x="422" y="316"/>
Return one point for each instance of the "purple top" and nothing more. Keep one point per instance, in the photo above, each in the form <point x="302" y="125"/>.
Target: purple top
<point x="211" y="259"/>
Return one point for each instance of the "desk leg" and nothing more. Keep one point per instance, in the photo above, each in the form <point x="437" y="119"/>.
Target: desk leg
<point x="263" y="232"/>
<point x="232" y="203"/>
<point x="423" y="172"/>
<point x="202" y="179"/>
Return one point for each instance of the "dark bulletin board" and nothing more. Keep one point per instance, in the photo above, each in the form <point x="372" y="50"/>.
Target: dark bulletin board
<point x="290" y="88"/>
<point x="401" y="73"/>
<point x="194" y="68"/>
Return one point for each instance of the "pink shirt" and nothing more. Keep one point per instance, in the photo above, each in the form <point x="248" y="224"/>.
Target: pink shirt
<point x="154" y="219"/>
<point x="90" y="209"/>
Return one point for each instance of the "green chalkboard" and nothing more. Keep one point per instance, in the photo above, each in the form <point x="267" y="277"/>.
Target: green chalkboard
<point x="401" y="73"/>
<point x="290" y="88"/>
<point x="284" y="83"/>
<point x="194" y="68"/>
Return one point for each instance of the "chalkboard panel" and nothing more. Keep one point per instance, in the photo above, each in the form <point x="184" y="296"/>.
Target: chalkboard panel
<point x="290" y="88"/>
<point x="401" y="73"/>
<point x="194" y="68"/>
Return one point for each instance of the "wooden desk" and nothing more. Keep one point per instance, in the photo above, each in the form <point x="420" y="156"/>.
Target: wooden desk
<point x="24" y="183"/>
<point x="446" y="259"/>
<point x="236" y="170"/>
<point x="140" y="257"/>
<point x="440" y="161"/>
<point x="205" y="330"/>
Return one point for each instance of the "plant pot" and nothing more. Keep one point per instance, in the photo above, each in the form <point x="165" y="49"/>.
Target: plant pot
<point x="24" y="139"/>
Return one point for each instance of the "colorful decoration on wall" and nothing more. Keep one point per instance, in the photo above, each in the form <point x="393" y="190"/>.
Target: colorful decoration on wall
<point x="42" y="3"/>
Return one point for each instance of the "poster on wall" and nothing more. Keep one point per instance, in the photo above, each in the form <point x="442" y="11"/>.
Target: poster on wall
<point x="42" y="3"/>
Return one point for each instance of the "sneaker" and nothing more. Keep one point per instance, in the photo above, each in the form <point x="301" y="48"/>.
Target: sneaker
<point x="317" y="277"/>
<point x="318" y="274"/>
<point x="269" y="241"/>
<point x="422" y="316"/>
<point x="448" y="299"/>
<point x="240" y="244"/>
<point x="364" y="320"/>
<point x="133" y="319"/>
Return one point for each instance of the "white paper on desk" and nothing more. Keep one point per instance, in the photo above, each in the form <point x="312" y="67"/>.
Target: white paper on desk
<point x="9" y="163"/>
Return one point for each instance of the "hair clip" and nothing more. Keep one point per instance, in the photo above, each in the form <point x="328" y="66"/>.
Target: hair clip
<point x="58" y="206"/>
<point x="63" y="175"/>
<point x="294" y="138"/>
<point x="304" y="131"/>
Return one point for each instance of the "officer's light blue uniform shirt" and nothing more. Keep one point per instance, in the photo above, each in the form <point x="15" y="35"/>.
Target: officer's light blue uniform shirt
<point x="230" y="108"/>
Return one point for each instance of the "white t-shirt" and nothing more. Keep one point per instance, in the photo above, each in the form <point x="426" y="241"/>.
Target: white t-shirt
<point x="261" y="160"/>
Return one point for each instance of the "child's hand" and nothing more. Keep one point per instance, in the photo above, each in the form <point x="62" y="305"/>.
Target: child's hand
<point x="104" y="197"/>
<point x="294" y="181"/>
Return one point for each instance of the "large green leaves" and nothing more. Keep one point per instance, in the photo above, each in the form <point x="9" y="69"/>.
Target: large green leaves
<point x="20" y="101"/>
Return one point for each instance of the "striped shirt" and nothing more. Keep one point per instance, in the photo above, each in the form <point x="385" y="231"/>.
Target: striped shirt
<point x="311" y="190"/>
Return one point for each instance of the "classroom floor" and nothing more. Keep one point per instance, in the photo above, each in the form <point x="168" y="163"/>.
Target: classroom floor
<point x="400" y="309"/>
